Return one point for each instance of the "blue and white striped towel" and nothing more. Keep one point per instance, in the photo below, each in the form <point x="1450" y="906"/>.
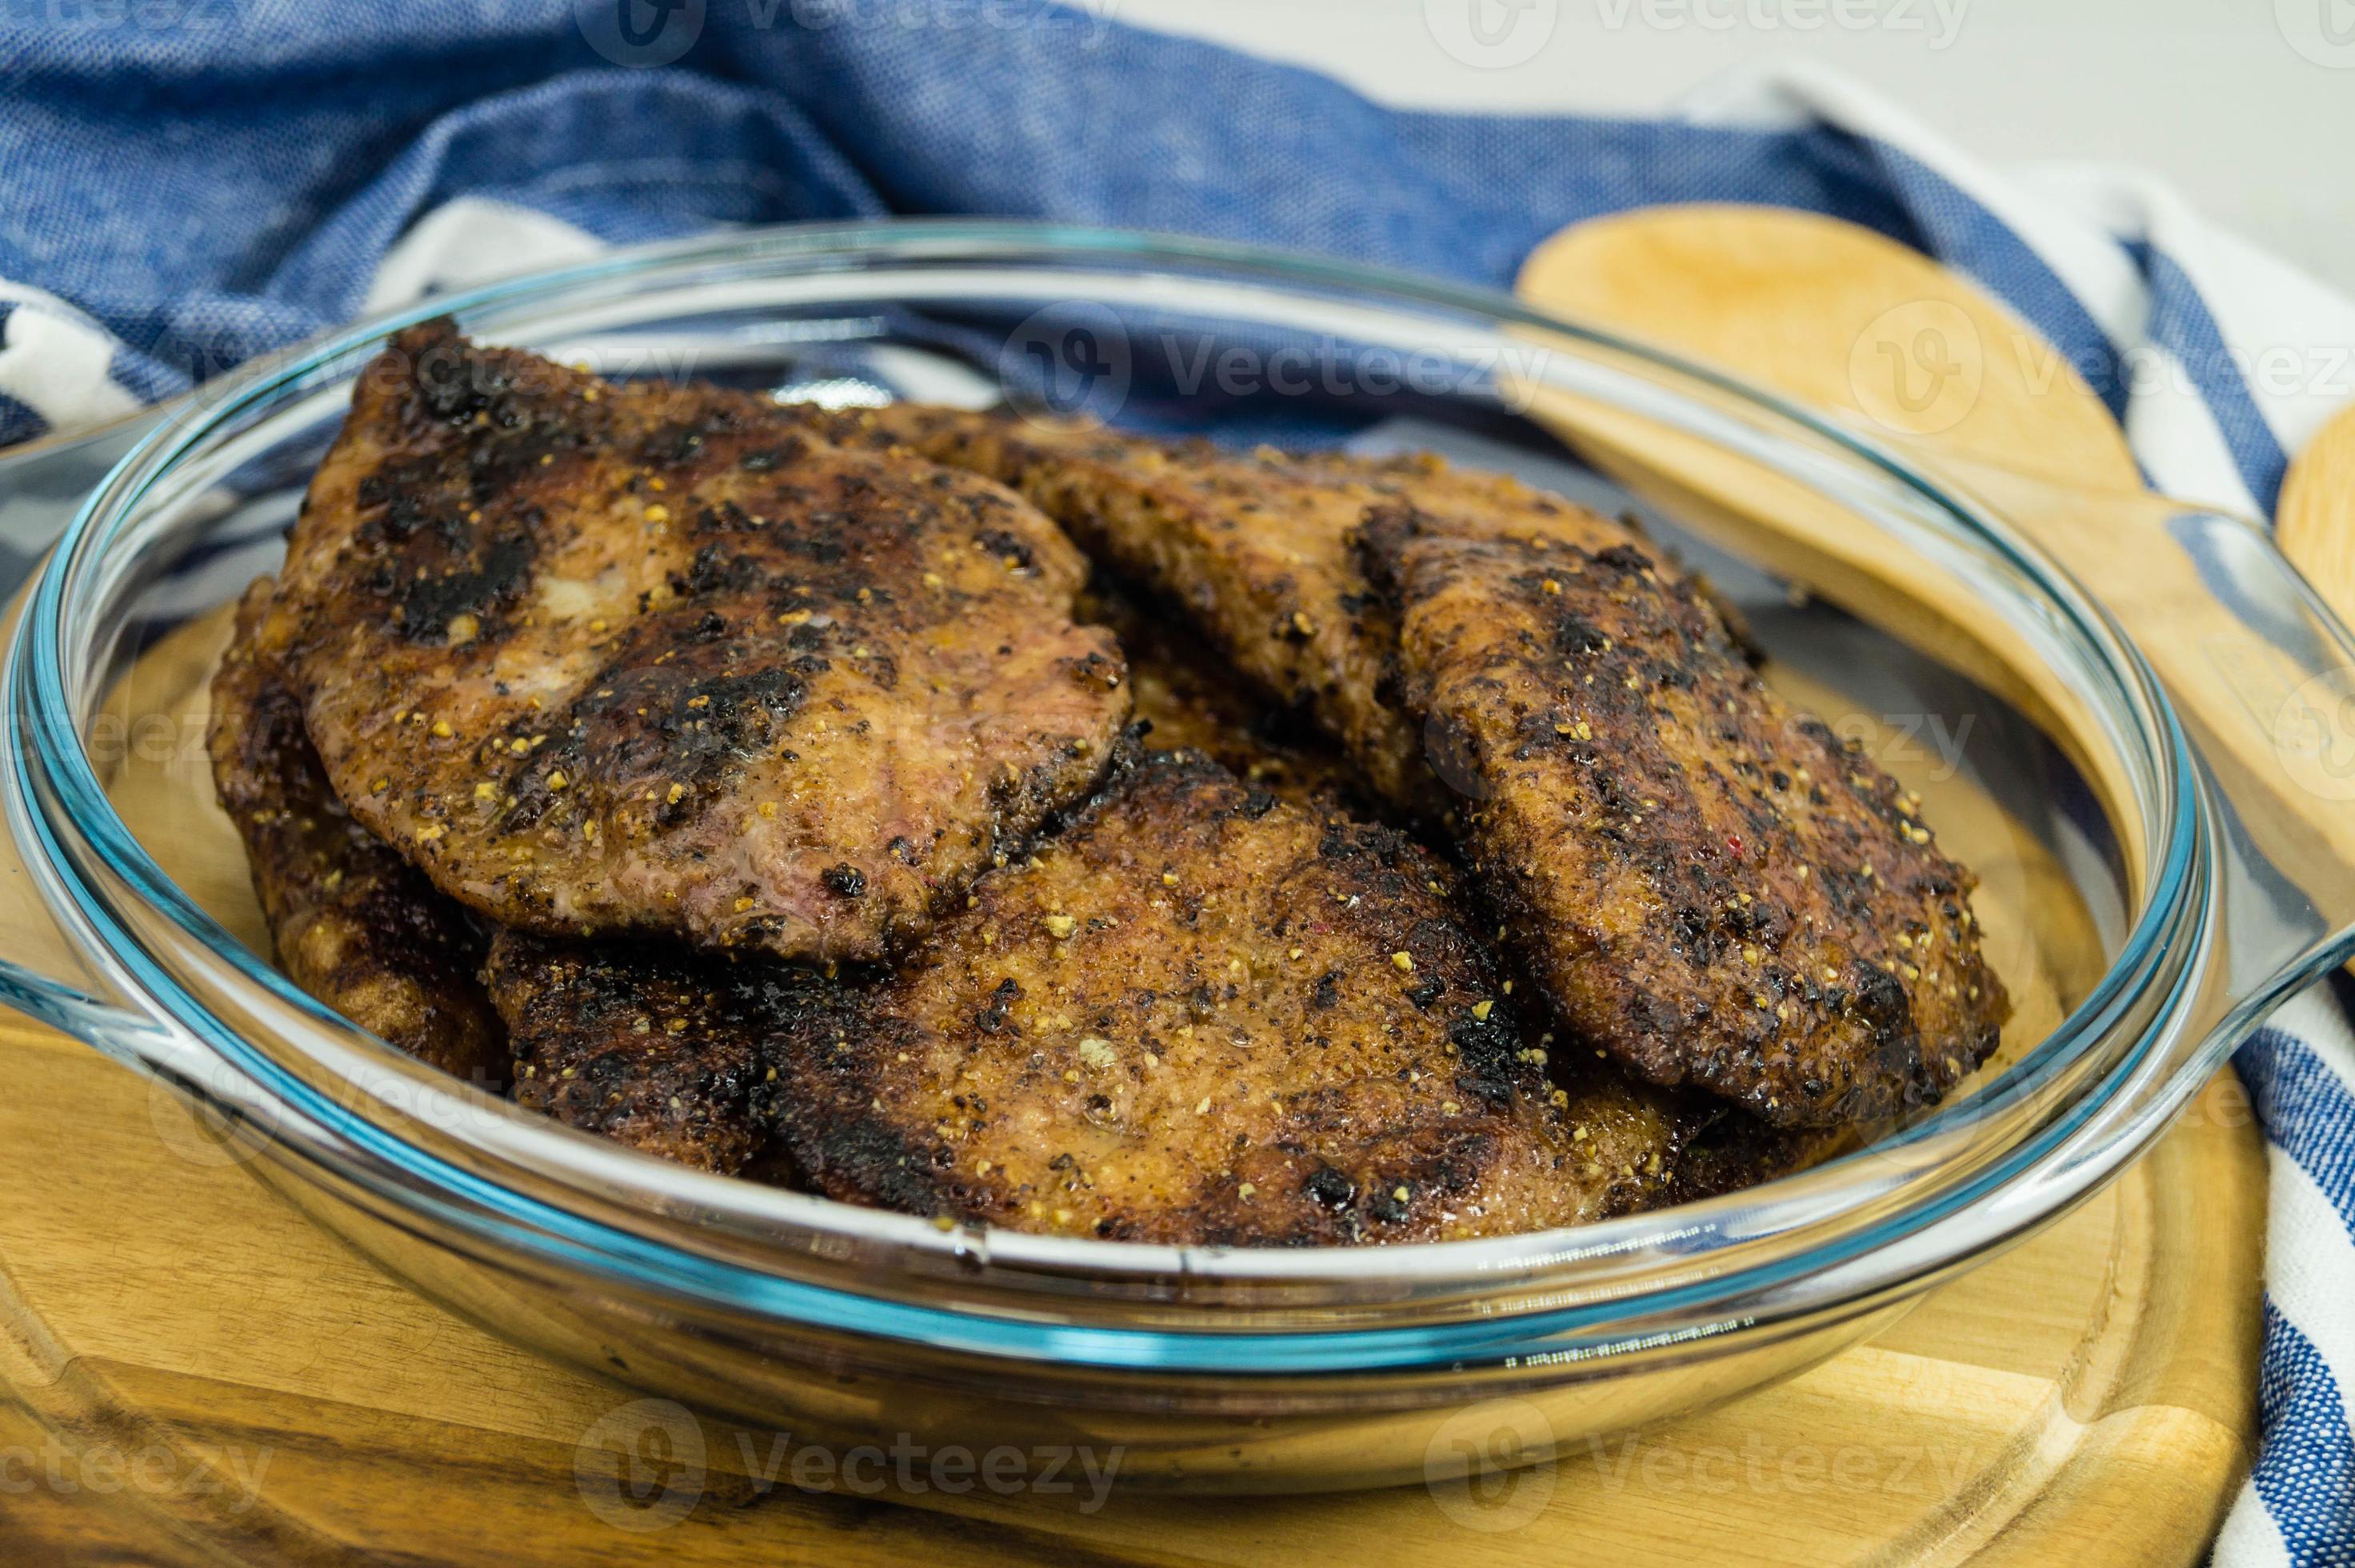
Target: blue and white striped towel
<point x="181" y="186"/>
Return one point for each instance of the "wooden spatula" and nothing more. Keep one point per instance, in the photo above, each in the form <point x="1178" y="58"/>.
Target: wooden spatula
<point x="2315" y="520"/>
<point x="1841" y="318"/>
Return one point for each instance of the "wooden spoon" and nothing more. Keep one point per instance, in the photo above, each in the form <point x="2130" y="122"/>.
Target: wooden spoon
<point x="1839" y="317"/>
<point x="2315" y="524"/>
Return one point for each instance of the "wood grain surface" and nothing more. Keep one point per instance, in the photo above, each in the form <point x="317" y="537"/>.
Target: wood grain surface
<point x="195" y="1374"/>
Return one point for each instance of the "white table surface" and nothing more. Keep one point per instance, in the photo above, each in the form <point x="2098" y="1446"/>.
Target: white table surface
<point x="2213" y="95"/>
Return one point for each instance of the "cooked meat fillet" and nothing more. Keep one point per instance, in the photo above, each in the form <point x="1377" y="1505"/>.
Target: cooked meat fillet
<point x="660" y="658"/>
<point x="651" y="1046"/>
<point x="354" y="924"/>
<point x="1736" y="1151"/>
<point x="1202" y="1014"/>
<point x="1708" y="883"/>
<point x="1192" y="699"/>
<point x="1256" y="548"/>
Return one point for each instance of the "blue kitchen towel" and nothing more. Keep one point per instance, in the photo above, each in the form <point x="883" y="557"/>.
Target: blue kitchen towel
<point x="187" y="183"/>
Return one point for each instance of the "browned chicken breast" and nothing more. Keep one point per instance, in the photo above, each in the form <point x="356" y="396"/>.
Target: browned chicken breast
<point x="1202" y="1014"/>
<point x="654" y="1047"/>
<point x="354" y="924"/>
<point x="1256" y="548"/>
<point x="1708" y="883"/>
<point x="660" y="658"/>
<point x="1189" y="699"/>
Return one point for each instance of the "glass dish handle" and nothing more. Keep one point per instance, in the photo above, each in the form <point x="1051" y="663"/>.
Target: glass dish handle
<point x="2261" y="672"/>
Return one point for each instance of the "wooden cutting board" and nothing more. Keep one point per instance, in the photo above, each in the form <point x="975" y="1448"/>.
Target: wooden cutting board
<point x="194" y="1373"/>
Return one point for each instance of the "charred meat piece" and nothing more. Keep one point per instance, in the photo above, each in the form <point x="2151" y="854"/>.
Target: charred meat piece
<point x="354" y="924"/>
<point x="1202" y="1014"/>
<point x="655" y="1047"/>
<point x="660" y="658"/>
<point x="1707" y="883"/>
<point x="1189" y="698"/>
<point x="1734" y="1151"/>
<point x="1256" y="548"/>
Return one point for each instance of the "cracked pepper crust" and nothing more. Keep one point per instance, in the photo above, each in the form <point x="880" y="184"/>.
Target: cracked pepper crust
<point x="1255" y="546"/>
<point x="1191" y="700"/>
<point x="1202" y="1014"/>
<point x="650" y="1046"/>
<point x="1706" y="883"/>
<point x="672" y="659"/>
<point x="604" y="658"/>
<point x="354" y="924"/>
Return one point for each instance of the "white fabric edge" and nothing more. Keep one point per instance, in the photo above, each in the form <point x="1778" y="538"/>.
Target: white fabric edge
<point x="57" y="361"/>
<point x="2266" y="310"/>
<point x="2310" y="1269"/>
<point x="470" y="240"/>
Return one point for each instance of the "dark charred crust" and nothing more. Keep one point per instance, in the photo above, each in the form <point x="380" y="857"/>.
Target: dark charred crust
<point x="481" y="582"/>
<point x="1708" y="883"/>
<point x="1255" y="549"/>
<point x="353" y="925"/>
<point x="573" y="647"/>
<point x="1731" y="1151"/>
<point x="1190" y="698"/>
<point x="1202" y="1014"/>
<point x="666" y="1052"/>
<point x="658" y="659"/>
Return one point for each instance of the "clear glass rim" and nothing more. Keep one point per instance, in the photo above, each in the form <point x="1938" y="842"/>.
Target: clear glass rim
<point x="1810" y="1207"/>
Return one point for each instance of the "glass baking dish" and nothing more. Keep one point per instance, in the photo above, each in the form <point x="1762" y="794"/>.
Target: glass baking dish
<point x="2131" y="715"/>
